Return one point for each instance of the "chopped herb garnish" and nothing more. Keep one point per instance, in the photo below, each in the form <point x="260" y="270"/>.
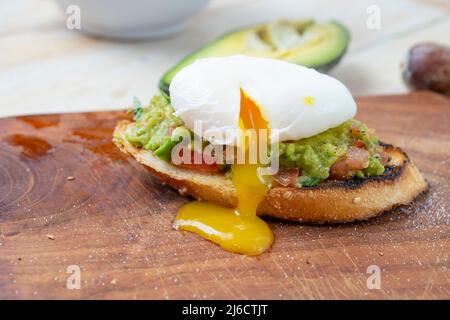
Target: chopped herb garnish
<point x="137" y="111"/>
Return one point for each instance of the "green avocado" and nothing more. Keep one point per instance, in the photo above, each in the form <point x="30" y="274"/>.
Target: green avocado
<point x="315" y="155"/>
<point x="315" y="45"/>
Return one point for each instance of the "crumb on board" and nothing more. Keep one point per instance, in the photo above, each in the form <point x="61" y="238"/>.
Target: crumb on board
<point x="70" y="178"/>
<point x="357" y="200"/>
<point x="51" y="237"/>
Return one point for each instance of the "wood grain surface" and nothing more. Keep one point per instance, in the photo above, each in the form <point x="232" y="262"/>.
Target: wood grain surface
<point x="69" y="197"/>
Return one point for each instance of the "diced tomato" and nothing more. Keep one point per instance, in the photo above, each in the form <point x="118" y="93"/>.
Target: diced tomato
<point x="355" y="131"/>
<point x="203" y="166"/>
<point x="286" y="176"/>
<point x="357" y="158"/>
<point x="359" y="144"/>
<point x="170" y="129"/>
<point x="354" y="159"/>
<point x="384" y="158"/>
<point x="339" y="170"/>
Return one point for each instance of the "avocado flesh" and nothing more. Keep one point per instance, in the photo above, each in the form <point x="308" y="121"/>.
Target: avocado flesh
<point x="318" y="46"/>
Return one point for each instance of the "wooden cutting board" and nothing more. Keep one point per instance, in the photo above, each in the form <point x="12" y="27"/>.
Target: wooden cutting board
<point x="112" y="220"/>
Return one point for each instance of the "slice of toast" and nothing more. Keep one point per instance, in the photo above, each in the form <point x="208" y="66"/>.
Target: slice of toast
<point x="332" y="201"/>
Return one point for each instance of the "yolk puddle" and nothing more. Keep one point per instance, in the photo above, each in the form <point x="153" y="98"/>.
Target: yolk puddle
<point x="238" y="230"/>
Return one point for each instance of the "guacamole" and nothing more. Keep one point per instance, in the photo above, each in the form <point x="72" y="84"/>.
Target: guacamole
<point x="315" y="155"/>
<point x="155" y="126"/>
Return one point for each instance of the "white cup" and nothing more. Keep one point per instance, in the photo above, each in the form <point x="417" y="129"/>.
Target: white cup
<point x="134" y="19"/>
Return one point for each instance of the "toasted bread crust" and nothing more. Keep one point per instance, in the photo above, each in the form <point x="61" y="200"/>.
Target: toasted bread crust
<point x="335" y="201"/>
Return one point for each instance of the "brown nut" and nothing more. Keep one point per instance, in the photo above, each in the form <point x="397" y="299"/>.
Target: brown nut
<point x="428" y="68"/>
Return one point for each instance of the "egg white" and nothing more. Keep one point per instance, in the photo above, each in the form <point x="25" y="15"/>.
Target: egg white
<point x="297" y="102"/>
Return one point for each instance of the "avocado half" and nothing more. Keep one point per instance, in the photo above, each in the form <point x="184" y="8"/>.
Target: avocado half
<point x="315" y="45"/>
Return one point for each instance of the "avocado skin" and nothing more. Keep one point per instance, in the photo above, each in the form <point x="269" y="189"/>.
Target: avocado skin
<point x="324" y="68"/>
<point x="164" y="82"/>
<point x="205" y="51"/>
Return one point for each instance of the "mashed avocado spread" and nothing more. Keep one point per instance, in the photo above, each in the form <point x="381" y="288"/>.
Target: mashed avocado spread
<point x="154" y="126"/>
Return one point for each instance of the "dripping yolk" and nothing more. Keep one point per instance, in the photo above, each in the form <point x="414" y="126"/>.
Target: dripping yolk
<point x="237" y="229"/>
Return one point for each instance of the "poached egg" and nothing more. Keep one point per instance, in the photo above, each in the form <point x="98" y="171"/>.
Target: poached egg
<point x="239" y="93"/>
<point x="296" y="101"/>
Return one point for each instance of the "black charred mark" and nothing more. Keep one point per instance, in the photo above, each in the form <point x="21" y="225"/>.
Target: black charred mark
<point x="391" y="173"/>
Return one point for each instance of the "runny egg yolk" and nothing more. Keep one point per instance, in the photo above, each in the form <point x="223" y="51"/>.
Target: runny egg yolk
<point x="238" y="230"/>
